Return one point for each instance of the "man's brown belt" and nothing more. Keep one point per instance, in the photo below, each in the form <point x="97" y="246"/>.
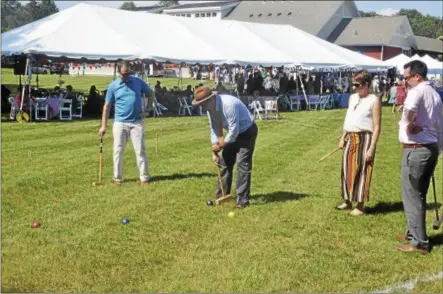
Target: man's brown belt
<point x="414" y="146"/>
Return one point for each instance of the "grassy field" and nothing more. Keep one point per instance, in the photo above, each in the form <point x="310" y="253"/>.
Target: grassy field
<point x="289" y="239"/>
<point x="84" y="83"/>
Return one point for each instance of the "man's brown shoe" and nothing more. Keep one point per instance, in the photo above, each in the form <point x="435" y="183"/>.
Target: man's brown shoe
<point x="410" y="248"/>
<point x="144" y="183"/>
<point x="241" y="206"/>
<point x="402" y="237"/>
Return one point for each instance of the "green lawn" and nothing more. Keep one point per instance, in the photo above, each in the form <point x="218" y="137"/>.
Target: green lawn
<point x="83" y="83"/>
<point x="290" y="239"/>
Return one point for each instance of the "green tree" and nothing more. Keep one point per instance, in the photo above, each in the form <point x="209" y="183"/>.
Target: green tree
<point x="10" y="9"/>
<point x="33" y="9"/>
<point x="48" y="7"/>
<point x="14" y="14"/>
<point x="128" y="5"/>
<point x="368" y="13"/>
<point x="168" y="2"/>
<point x="423" y="25"/>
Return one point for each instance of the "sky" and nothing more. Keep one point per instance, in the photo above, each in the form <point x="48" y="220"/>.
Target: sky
<point x="434" y="8"/>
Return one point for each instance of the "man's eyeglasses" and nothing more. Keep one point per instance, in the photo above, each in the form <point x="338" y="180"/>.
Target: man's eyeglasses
<point x="356" y="85"/>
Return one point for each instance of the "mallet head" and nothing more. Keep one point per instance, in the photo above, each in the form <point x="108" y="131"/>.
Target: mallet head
<point x="224" y="199"/>
<point x="436" y="224"/>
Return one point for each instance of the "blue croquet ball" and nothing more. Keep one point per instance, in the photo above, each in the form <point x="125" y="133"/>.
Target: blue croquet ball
<point x="209" y="203"/>
<point x="125" y="221"/>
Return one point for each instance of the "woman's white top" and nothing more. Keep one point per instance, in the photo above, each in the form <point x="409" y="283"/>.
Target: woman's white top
<point x="359" y="114"/>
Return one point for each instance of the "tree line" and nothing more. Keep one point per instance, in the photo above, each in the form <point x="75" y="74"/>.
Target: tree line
<point x="15" y="14"/>
<point x="422" y="25"/>
<point x="129" y="5"/>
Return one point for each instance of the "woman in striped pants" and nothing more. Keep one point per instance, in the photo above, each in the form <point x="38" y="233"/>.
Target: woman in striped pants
<point x="360" y="135"/>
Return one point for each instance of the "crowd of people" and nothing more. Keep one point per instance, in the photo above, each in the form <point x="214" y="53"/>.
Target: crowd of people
<point x="92" y="103"/>
<point x="269" y="81"/>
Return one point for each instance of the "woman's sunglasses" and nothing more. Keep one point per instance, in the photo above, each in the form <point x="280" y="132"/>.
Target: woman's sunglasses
<point x="356" y="85"/>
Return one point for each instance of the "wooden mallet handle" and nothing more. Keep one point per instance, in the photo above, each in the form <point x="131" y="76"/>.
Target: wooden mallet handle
<point x="100" y="175"/>
<point x="220" y="180"/>
<point x="329" y="154"/>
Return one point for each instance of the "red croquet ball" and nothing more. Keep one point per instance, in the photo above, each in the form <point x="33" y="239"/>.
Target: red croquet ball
<point x="36" y="224"/>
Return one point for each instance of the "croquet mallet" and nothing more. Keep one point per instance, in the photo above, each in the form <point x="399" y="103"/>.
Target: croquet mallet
<point x="438" y="218"/>
<point x="329" y="154"/>
<point x="100" y="173"/>
<point x="224" y="198"/>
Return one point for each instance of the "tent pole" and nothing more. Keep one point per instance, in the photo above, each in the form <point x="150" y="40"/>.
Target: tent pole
<point x="115" y="71"/>
<point x="37" y="80"/>
<point x="296" y="83"/>
<point x="181" y="77"/>
<point x="30" y="88"/>
<point x="143" y="71"/>
<point x="321" y="83"/>
<point x="24" y="86"/>
<point x="304" y="92"/>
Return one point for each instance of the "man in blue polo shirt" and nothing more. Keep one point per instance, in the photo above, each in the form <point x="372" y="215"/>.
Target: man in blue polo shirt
<point x="125" y="92"/>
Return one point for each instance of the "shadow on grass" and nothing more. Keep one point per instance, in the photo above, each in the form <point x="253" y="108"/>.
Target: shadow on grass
<point x="436" y="240"/>
<point x="175" y="177"/>
<point x="279" y="196"/>
<point x="388" y="207"/>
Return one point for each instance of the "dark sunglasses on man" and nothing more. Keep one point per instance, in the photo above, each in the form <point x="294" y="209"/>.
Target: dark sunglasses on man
<point x="408" y="78"/>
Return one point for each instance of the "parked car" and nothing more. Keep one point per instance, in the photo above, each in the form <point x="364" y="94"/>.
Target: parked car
<point x="39" y="70"/>
<point x="58" y="69"/>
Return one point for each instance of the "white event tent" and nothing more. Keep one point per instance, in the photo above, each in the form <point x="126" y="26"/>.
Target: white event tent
<point x="96" y="32"/>
<point x="434" y="66"/>
<point x="398" y="61"/>
<point x="311" y="50"/>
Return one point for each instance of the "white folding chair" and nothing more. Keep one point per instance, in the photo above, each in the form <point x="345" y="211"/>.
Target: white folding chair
<point x="201" y="112"/>
<point x="41" y="106"/>
<point x="285" y="99"/>
<point x="315" y="102"/>
<point x="14" y="108"/>
<point x="258" y="109"/>
<point x="181" y="107"/>
<point x="184" y="106"/>
<point x="158" y="108"/>
<point x="295" y="102"/>
<point x="65" y="108"/>
<point x="328" y="103"/>
<point x="251" y="100"/>
<point x="78" y="111"/>
<point x="271" y="109"/>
